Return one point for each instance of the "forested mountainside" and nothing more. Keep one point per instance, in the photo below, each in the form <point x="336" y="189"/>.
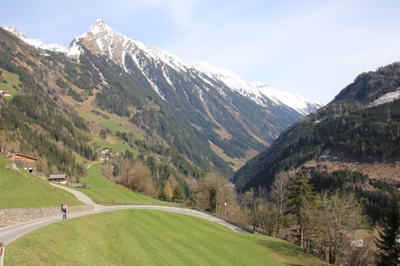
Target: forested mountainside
<point x="210" y="106"/>
<point x="354" y="141"/>
<point x="179" y="121"/>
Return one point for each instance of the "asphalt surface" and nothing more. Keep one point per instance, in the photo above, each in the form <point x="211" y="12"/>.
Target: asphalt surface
<point x="11" y="233"/>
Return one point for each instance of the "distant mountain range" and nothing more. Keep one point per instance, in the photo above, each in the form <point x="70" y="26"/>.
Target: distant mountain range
<point x="208" y="115"/>
<point x="107" y="42"/>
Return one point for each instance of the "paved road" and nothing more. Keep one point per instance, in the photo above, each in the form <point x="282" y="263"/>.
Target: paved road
<point x="10" y="233"/>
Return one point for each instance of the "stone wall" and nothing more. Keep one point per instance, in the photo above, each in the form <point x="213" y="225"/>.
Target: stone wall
<point x="15" y="216"/>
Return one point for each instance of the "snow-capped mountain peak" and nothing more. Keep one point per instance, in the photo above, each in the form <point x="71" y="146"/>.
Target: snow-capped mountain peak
<point x="114" y="45"/>
<point x="100" y="26"/>
<point x="35" y="42"/>
<point x="106" y="41"/>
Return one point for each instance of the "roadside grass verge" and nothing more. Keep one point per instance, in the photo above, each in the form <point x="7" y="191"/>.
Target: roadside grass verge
<point x="148" y="237"/>
<point x="21" y="189"/>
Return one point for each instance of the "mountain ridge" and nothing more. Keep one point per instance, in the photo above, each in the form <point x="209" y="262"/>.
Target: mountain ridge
<point x="194" y="121"/>
<point x="229" y="78"/>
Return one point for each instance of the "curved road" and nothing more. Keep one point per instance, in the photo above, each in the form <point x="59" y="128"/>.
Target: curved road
<point x="10" y="233"/>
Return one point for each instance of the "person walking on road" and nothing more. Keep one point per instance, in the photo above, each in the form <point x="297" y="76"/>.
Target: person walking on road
<point x="64" y="209"/>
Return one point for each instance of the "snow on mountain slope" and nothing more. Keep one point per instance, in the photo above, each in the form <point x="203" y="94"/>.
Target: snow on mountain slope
<point x="108" y="42"/>
<point x="229" y="78"/>
<point x="112" y="43"/>
<point x="258" y="91"/>
<point x="297" y="102"/>
<point x="36" y="42"/>
<point x="386" y="98"/>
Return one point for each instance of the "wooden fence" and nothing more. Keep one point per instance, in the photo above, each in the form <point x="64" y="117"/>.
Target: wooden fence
<point x="140" y="202"/>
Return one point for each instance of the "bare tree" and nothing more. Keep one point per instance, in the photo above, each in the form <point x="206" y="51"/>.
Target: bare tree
<point x="213" y="191"/>
<point x="279" y="193"/>
<point x="266" y="211"/>
<point x="137" y="176"/>
<point x="336" y="216"/>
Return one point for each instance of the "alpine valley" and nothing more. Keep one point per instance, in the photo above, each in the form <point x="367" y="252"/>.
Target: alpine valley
<point x="109" y="91"/>
<point x="351" y="144"/>
<point x="319" y="176"/>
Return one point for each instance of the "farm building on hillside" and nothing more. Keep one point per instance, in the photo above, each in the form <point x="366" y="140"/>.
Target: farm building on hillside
<point x="24" y="161"/>
<point x="5" y="93"/>
<point x="59" y="178"/>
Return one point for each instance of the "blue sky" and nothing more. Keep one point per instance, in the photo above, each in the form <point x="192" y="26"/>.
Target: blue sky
<point x="311" y="48"/>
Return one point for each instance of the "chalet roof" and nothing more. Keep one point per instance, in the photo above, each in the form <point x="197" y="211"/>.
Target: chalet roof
<point x="21" y="154"/>
<point x="58" y="176"/>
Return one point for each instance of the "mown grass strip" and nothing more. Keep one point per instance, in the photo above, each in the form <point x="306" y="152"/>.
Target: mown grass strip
<point x="148" y="237"/>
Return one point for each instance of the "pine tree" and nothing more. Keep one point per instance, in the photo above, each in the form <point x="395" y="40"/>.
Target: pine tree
<point x="300" y="197"/>
<point x="177" y="194"/>
<point x="388" y="248"/>
<point x="299" y="192"/>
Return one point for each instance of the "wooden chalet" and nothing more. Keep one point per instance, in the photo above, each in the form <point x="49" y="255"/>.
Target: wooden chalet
<point x="23" y="161"/>
<point x="59" y="178"/>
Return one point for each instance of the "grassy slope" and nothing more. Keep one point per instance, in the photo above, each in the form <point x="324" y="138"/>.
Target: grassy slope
<point x="130" y="237"/>
<point x="101" y="188"/>
<point x="20" y="189"/>
<point x="144" y="237"/>
<point x="12" y="80"/>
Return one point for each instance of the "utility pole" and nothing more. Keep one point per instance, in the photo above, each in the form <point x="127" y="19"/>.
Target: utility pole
<point x="225" y="209"/>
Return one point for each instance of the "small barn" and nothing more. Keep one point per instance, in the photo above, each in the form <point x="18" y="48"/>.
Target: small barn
<point x="59" y="178"/>
<point x="23" y="161"/>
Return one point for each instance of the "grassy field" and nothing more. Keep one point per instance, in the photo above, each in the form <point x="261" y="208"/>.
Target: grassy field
<point x="105" y="190"/>
<point x="12" y="80"/>
<point x="21" y="189"/>
<point x="129" y="237"/>
<point x="144" y="237"/>
<point x="112" y="142"/>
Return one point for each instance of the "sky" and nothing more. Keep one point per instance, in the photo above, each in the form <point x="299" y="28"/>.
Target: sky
<point x="310" y="48"/>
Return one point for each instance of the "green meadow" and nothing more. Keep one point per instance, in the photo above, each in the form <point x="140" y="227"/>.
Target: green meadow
<point x="103" y="190"/>
<point x="21" y="189"/>
<point x="129" y="237"/>
<point x="11" y="80"/>
<point x="114" y="143"/>
<point x="148" y="237"/>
